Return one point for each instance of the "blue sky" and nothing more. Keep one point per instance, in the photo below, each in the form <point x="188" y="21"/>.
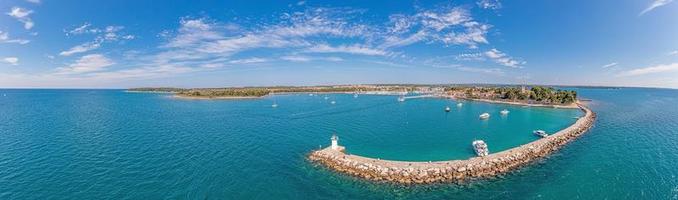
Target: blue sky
<point x="131" y="43"/>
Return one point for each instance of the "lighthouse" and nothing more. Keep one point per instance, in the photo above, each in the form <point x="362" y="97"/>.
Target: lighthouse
<point x="335" y="142"/>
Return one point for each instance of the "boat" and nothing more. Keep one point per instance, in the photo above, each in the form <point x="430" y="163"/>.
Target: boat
<point x="401" y="99"/>
<point x="333" y="102"/>
<point x="480" y="148"/>
<point x="355" y="95"/>
<point x="310" y="95"/>
<point x="459" y="104"/>
<point x="540" y="133"/>
<point x="484" y="116"/>
<point x="504" y="112"/>
<point x="275" y="105"/>
<point x="326" y="97"/>
<point x="447" y="109"/>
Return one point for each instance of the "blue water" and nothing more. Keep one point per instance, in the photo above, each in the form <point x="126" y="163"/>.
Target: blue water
<point x="108" y="144"/>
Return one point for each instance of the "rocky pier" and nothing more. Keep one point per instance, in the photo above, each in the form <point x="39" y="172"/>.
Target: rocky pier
<point x="404" y="172"/>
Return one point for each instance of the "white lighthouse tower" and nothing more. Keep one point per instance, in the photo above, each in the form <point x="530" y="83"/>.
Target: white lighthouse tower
<point x="335" y="142"/>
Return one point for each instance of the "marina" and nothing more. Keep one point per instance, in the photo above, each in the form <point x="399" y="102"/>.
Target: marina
<point x="486" y="165"/>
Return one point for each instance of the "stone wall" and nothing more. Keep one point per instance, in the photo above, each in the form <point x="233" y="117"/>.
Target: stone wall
<point x="453" y="170"/>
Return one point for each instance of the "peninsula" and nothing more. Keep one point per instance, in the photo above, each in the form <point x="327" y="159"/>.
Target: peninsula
<point x="522" y="95"/>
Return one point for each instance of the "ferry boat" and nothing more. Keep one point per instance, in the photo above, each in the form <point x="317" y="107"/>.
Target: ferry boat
<point x="540" y="133"/>
<point x="460" y="104"/>
<point x="401" y="99"/>
<point x="484" y="116"/>
<point x="480" y="148"/>
<point x="447" y="109"/>
<point x="504" y="112"/>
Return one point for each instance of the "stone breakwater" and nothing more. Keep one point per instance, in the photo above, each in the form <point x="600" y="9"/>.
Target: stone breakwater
<point x="454" y="170"/>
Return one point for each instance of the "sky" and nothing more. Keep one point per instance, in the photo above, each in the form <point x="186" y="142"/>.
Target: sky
<point x="177" y="43"/>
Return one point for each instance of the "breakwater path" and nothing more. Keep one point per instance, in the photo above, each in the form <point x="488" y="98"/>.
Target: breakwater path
<point x="453" y="170"/>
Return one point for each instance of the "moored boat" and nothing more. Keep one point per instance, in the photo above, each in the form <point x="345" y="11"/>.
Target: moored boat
<point x="540" y="133"/>
<point x="480" y="148"/>
<point x="447" y="109"/>
<point x="484" y="116"/>
<point x="401" y="99"/>
<point x="504" y="112"/>
<point x="459" y="104"/>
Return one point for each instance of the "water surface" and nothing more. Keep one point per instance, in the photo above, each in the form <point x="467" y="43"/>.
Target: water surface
<point x="108" y="144"/>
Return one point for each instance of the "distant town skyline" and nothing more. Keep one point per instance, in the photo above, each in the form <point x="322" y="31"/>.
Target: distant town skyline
<point x="121" y="44"/>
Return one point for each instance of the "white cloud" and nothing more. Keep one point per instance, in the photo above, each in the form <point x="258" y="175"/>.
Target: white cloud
<point x="107" y="34"/>
<point x="34" y="1"/>
<point x="4" y="38"/>
<point x="22" y="15"/>
<point x="86" y="64"/>
<point x="655" y="4"/>
<point x="489" y="4"/>
<point x="351" y="49"/>
<point x="447" y="25"/>
<point x="503" y="59"/>
<point x="470" y="56"/>
<point x="296" y="58"/>
<point x="81" y="48"/>
<point x="248" y="60"/>
<point x="11" y="60"/>
<point x="673" y="53"/>
<point x="651" y="70"/>
<point x="610" y="65"/>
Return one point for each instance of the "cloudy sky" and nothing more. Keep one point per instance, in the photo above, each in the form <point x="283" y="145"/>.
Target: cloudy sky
<point x="132" y="43"/>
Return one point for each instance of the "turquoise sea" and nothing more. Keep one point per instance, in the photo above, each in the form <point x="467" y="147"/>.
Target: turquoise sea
<point x="110" y="144"/>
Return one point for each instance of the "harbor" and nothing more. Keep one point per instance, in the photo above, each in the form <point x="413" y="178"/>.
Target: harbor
<point x="490" y="165"/>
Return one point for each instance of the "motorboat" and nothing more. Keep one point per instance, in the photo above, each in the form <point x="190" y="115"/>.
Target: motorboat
<point x="480" y="148"/>
<point x="504" y="112"/>
<point x="484" y="116"/>
<point x="540" y="133"/>
<point x="447" y="109"/>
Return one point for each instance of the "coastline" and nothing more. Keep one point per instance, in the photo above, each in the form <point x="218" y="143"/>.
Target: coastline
<point x="405" y="172"/>
<point x="571" y="106"/>
<point x="213" y="98"/>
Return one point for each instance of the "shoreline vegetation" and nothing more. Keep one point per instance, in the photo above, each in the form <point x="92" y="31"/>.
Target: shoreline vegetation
<point x="517" y="95"/>
<point x="405" y="172"/>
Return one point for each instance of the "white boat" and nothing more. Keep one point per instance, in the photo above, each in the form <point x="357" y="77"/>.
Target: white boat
<point x="484" y="116"/>
<point x="540" y="133"/>
<point x="326" y="97"/>
<point x="275" y="105"/>
<point x="355" y="95"/>
<point x="310" y="95"/>
<point x="504" y="112"/>
<point x="447" y="109"/>
<point x="460" y="104"/>
<point x="401" y="99"/>
<point x="480" y="148"/>
<point x="333" y="102"/>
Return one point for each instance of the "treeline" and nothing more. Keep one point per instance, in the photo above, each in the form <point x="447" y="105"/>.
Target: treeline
<point x="263" y="91"/>
<point x="544" y="95"/>
<point x="156" y="89"/>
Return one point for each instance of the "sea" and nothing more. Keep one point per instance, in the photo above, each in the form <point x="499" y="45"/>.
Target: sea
<point x="113" y="144"/>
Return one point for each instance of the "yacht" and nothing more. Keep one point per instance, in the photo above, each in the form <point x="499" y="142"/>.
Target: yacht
<point x="275" y="105"/>
<point x="401" y="99"/>
<point x="447" y="109"/>
<point x="504" y="112"/>
<point x="355" y="95"/>
<point x="333" y="102"/>
<point x="459" y="104"/>
<point x="480" y="148"/>
<point x="540" y="133"/>
<point x="484" y="116"/>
